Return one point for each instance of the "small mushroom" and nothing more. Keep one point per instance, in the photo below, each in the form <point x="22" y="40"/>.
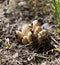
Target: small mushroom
<point x="27" y="34"/>
<point x="43" y="32"/>
<point x="29" y="37"/>
<point x="41" y="35"/>
<point x="39" y="38"/>
<point x="25" y="29"/>
<point x="25" y="40"/>
<point x="35" y="23"/>
<point x="37" y="30"/>
<point x="19" y="34"/>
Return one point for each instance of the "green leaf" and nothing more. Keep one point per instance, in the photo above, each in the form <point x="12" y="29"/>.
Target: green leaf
<point x="58" y="30"/>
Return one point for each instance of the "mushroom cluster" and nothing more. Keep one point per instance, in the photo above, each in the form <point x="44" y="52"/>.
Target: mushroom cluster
<point x="28" y="32"/>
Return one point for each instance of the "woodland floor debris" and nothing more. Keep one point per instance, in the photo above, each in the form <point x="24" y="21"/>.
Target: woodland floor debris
<point x="14" y="19"/>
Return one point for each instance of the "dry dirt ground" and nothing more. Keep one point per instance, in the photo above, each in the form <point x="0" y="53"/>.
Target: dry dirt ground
<point x="17" y="53"/>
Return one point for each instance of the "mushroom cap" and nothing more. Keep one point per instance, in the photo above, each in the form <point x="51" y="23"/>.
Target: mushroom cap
<point x="41" y="35"/>
<point x="43" y="32"/>
<point x="19" y="34"/>
<point x="35" y="23"/>
<point x="25" y="40"/>
<point x="29" y="37"/>
<point x="37" y="30"/>
<point x="25" y="29"/>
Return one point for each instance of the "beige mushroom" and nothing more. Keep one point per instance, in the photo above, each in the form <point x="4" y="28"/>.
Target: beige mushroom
<point x="27" y="34"/>
<point x="35" y="23"/>
<point x="19" y="34"/>
<point x="41" y="35"/>
<point x="29" y="37"/>
<point x="25" y="40"/>
<point x="25" y="29"/>
<point x="43" y="32"/>
<point x="37" y="30"/>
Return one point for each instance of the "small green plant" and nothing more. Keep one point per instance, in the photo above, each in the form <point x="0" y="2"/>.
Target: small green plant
<point x="56" y="5"/>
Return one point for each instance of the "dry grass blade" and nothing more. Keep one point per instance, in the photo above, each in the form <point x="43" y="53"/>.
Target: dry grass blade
<point x="56" y="42"/>
<point x="56" y="5"/>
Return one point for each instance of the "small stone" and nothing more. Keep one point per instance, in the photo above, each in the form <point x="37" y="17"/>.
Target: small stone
<point x="45" y="25"/>
<point x="22" y="3"/>
<point x="15" y="55"/>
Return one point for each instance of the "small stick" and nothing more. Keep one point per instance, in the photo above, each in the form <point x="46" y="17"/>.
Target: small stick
<point x="40" y="56"/>
<point x="27" y="45"/>
<point x="54" y="40"/>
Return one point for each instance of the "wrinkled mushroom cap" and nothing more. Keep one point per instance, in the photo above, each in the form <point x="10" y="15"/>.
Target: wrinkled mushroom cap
<point x="41" y="35"/>
<point x="35" y="23"/>
<point x="43" y="32"/>
<point x="29" y="37"/>
<point x="37" y="30"/>
<point x="25" y="40"/>
<point x="25" y="29"/>
<point x="19" y="34"/>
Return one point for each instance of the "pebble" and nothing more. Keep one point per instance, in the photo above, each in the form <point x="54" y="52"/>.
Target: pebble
<point x="15" y="55"/>
<point x="22" y="3"/>
<point x="45" y="25"/>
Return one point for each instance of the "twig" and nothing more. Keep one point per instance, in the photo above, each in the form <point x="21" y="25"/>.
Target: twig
<point x="52" y="38"/>
<point x="27" y="45"/>
<point x="40" y="56"/>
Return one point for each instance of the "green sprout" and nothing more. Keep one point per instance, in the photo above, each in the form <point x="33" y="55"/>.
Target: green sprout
<point x="56" y="5"/>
